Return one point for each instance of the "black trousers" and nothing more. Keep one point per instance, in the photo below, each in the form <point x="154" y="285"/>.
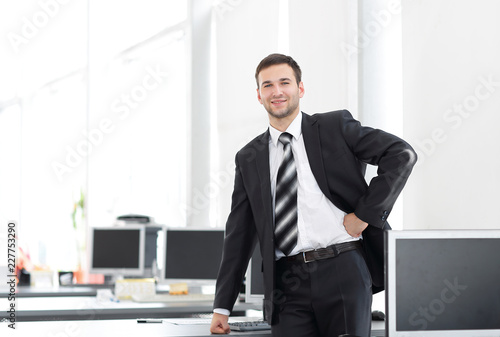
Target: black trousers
<point x="325" y="298"/>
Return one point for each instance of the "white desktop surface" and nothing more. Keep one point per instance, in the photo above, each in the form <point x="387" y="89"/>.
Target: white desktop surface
<point x="126" y="327"/>
<point x="77" y="302"/>
<point x="97" y="328"/>
<point x="26" y="291"/>
<point x="89" y="308"/>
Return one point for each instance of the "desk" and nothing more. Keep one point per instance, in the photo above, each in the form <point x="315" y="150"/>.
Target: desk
<point x="125" y="328"/>
<point x="88" y="308"/>
<point x="27" y="291"/>
<point x="128" y="328"/>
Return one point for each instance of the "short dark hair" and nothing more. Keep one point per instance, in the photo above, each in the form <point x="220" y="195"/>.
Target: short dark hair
<point x="274" y="59"/>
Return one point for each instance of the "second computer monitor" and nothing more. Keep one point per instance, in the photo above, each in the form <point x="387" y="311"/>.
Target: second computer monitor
<point x="254" y="285"/>
<point x="192" y="255"/>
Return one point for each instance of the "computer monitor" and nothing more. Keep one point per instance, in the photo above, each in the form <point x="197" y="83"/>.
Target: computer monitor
<point x="192" y="255"/>
<point x="443" y="283"/>
<point x="254" y="284"/>
<point x="117" y="251"/>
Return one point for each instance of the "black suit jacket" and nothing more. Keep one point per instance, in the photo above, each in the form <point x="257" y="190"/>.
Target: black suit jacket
<point x="338" y="149"/>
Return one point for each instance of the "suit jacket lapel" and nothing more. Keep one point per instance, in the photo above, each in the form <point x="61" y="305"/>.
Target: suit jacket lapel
<point x="310" y="132"/>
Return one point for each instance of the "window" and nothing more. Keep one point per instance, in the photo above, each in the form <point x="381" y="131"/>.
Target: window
<point x="100" y="110"/>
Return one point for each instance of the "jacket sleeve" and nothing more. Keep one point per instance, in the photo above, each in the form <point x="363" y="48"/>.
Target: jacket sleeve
<point x="394" y="159"/>
<point x="239" y="243"/>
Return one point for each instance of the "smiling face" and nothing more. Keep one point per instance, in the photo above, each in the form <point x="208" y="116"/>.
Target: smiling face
<point x="279" y="93"/>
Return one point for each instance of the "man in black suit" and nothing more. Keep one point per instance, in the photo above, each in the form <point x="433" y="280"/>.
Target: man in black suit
<point x="324" y="285"/>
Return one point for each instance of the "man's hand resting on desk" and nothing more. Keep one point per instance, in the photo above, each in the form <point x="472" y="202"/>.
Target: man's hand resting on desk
<point x="219" y="324"/>
<point x="354" y="225"/>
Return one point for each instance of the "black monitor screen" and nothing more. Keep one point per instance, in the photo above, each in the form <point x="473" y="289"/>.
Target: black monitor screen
<point x="447" y="284"/>
<point x="256" y="276"/>
<point x="116" y="248"/>
<point x="193" y="254"/>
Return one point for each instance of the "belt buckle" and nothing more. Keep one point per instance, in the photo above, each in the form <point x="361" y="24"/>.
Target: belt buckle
<point x="305" y="258"/>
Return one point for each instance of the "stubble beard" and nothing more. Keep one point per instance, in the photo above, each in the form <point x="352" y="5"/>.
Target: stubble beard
<point x="282" y="114"/>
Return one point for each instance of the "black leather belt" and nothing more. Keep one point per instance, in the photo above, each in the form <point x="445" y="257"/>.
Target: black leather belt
<point x="323" y="253"/>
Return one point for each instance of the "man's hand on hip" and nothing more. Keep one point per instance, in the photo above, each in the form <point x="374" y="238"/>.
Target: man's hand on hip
<point x="354" y="225"/>
<point x="219" y="324"/>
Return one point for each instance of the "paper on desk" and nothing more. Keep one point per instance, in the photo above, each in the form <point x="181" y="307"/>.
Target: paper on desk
<point x="189" y="321"/>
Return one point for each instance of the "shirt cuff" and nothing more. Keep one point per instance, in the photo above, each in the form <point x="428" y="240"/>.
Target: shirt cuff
<point x="222" y="311"/>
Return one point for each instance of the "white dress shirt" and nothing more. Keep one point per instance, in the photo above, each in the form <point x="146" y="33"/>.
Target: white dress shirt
<point x="320" y="223"/>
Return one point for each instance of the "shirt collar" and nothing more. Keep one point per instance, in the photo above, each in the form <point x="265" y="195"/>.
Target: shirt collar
<point x="295" y="129"/>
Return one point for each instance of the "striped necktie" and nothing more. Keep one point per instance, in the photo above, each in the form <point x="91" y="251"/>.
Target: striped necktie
<point x="285" y="216"/>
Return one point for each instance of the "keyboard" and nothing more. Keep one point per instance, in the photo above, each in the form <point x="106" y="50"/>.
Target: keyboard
<point x="167" y="298"/>
<point x="249" y="326"/>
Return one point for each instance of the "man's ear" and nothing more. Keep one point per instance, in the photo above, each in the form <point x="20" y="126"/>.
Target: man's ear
<point x="258" y="96"/>
<point x="301" y="89"/>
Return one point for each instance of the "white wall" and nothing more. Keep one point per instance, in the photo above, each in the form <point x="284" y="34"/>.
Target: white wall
<point x="247" y="31"/>
<point x="451" y="95"/>
<point x="316" y="34"/>
<point x="380" y="81"/>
